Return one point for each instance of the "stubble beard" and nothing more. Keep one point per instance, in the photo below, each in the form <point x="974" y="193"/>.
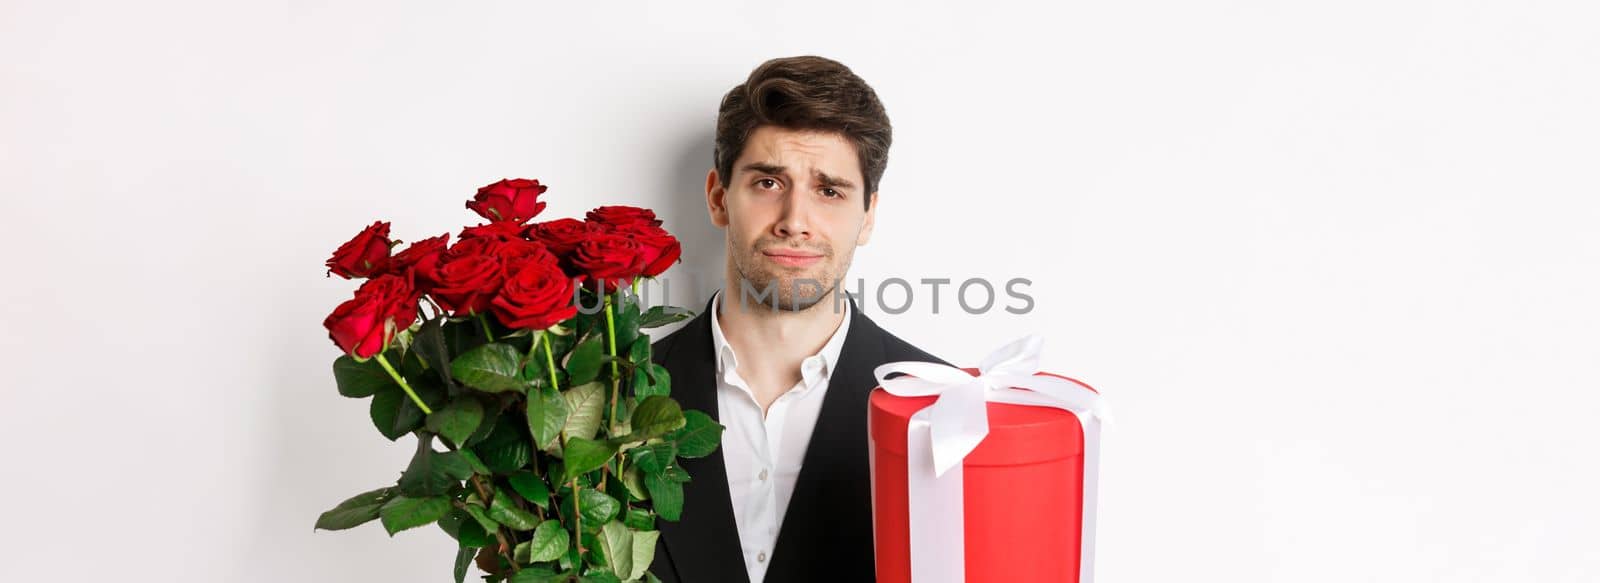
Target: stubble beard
<point x="789" y="299"/>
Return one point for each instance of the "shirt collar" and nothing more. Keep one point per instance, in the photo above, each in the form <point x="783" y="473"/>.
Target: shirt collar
<point x="812" y="369"/>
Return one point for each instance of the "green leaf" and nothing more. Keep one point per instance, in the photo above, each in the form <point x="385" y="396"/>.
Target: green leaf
<point x="599" y="577"/>
<point x="676" y="473"/>
<point x="585" y="408"/>
<point x="633" y="482"/>
<point x="461" y="526"/>
<point x="583" y="364"/>
<point x="491" y="367"/>
<point x="549" y="542"/>
<point x="615" y="487"/>
<point x="643" y="387"/>
<point x="504" y="511"/>
<point x="571" y="561"/>
<point x="656" y="416"/>
<point x="481" y="516"/>
<point x="585" y="455"/>
<point x="663" y="315"/>
<point x="463" y="561"/>
<point x="531" y="487"/>
<point x="639" y="519"/>
<point x="534" y="369"/>
<point x="644" y="551"/>
<point x="457" y="420"/>
<point x="472" y="534"/>
<point x="659" y="375"/>
<point x="462" y="335"/>
<point x="522" y="340"/>
<point x="411" y="365"/>
<point x="547" y="415"/>
<point x="433" y="473"/>
<point x="622" y="424"/>
<point x="472" y="461"/>
<point x="617" y="541"/>
<point x="591" y="543"/>
<point x="666" y="496"/>
<point x="360" y="379"/>
<point x="653" y="458"/>
<point x="598" y="507"/>
<point x="539" y="575"/>
<point x="639" y="351"/>
<point x="453" y="465"/>
<point x="403" y="512"/>
<point x="627" y="324"/>
<point x="492" y="409"/>
<point x="356" y="511"/>
<point x="393" y="412"/>
<point x="431" y="345"/>
<point x="699" y="436"/>
<point x="507" y="449"/>
<point x="431" y="390"/>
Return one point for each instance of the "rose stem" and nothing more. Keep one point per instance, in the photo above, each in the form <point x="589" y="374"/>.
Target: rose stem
<point x="616" y="377"/>
<point x="577" y="516"/>
<point x="611" y="340"/>
<point x="550" y="362"/>
<point x="402" y="380"/>
<point x="482" y="319"/>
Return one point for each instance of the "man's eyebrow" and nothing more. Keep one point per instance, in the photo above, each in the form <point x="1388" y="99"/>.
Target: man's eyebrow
<point x="764" y="168"/>
<point x="833" y="181"/>
<point x="823" y="178"/>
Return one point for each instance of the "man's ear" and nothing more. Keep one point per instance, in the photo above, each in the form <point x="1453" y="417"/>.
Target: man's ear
<point x="716" y="199"/>
<point x="866" y="223"/>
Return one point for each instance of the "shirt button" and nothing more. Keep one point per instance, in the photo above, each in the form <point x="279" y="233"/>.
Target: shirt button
<point x="761" y="557"/>
<point x="763" y="475"/>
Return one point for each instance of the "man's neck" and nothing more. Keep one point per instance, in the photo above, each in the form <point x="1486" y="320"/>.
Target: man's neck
<point x="771" y="343"/>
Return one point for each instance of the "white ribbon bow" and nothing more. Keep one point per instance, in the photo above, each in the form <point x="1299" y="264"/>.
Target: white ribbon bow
<point x="941" y="435"/>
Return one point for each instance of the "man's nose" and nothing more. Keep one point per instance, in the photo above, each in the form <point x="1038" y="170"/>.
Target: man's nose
<point x="793" y="222"/>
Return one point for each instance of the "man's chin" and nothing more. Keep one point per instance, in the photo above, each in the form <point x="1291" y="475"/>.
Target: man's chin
<point x="811" y="291"/>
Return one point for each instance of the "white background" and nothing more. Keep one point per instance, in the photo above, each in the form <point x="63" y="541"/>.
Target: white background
<point x="1334" y="263"/>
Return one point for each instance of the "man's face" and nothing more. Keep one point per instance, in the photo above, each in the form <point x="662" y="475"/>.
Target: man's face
<point x="793" y="211"/>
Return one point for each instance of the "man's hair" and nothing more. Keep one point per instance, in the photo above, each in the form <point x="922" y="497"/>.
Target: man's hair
<point x="806" y="93"/>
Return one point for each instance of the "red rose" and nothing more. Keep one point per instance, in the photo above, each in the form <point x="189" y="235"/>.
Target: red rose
<point x="420" y="262"/>
<point x="363" y="326"/>
<point x="612" y="259"/>
<point x="515" y="200"/>
<point x="468" y="247"/>
<point x="365" y="255"/>
<point x="537" y="297"/>
<point x="515" y="253"/>
<point x="466" y="284"/>
<point x="659" y="247"/>
<point x="518" y="248"/>
<point x="618" y="215"/>
<point x="561" y="236"/>
<point x="503" y="231"/>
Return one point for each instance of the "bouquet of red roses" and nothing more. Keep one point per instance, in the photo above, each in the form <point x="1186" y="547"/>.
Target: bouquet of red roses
<point x="559" y="440"/>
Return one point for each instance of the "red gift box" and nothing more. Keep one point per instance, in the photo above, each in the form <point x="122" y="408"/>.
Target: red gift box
<point x="1022" y="493"/>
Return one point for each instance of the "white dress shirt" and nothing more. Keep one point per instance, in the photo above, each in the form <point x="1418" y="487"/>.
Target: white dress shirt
<point x="763" y="453"/>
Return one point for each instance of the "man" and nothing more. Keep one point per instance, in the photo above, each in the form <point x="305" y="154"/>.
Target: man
<point x="781" y="356"/>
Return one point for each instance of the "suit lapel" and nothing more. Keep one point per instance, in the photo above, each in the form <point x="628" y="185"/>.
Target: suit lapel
<point x="704" y="545"/>
<point x="828" y="514"/>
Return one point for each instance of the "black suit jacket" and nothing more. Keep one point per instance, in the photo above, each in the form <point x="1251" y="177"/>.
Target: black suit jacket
<point x="826" y="533"/>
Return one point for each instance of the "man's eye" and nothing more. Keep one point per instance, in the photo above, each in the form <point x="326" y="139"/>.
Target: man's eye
<point x="763" y="182"/>
<point x="831" y="193"/>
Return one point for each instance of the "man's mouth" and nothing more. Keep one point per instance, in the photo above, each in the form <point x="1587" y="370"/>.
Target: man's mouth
<point x="792" y="258"/>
